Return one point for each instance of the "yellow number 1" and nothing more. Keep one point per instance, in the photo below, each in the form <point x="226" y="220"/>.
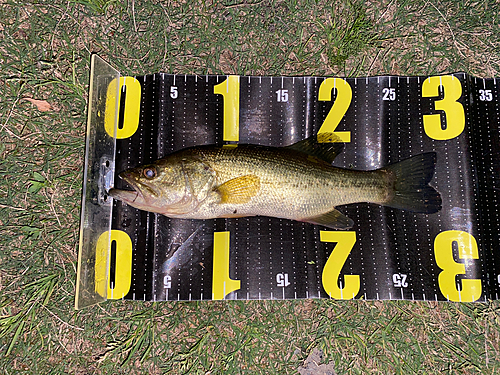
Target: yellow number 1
<point x="230" y="91"/>
<point x="222" y="284"/>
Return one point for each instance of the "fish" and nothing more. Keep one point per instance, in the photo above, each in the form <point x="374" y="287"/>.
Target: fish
<point x="296" y="182"/>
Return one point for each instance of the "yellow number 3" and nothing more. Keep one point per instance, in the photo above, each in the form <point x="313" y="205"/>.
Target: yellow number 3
<point x="453" y="110"/>
<point x="471" y="289"/>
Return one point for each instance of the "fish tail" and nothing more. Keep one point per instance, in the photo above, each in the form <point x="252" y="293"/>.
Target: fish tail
<point x="411" y="187"/>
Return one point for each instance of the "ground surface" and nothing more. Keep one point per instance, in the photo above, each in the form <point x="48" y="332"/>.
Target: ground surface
<point x="44" y="73"/>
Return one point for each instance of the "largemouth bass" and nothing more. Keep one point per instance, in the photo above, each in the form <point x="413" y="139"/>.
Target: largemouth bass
<point x="295" y="182"/>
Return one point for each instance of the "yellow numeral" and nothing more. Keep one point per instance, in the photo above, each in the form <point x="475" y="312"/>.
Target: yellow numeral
<point x="230" y="91"/>
<point x="222" y="284"/>
<point x="471" y="289"/>
<point x="123" y="264"/>
<point x="345" y="242"/>
<point x="453" y="110"/>
<point x="339" y="107"/>
<point x="132" y="107"/>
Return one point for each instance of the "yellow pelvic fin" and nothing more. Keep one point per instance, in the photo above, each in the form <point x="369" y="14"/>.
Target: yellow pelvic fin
<point x="239" y="189"/>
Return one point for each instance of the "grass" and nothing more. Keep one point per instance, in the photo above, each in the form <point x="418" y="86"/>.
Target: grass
<point x="44" y="55"/>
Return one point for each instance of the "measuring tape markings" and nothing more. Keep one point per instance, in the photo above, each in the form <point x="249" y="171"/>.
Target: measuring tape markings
<point x="471" y="289"/>
<point x="230" y="90"/>
<point x="443" y="249"/>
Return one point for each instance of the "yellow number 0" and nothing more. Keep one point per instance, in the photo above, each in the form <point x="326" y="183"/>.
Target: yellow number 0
<point x="132" y="107"/>
<point x="345" y="243"/>
<point x="339" y="107"/>
<point x="447" y="280"/>
<point x="453" y="110"/>
<point x="123" y="264"/>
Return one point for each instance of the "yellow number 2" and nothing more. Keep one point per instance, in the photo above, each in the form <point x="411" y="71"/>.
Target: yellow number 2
<point x="339" y="107"/>
<point x="453" y="110"/>
<point x="345" y="243"/>
<point x="471" y="289"/>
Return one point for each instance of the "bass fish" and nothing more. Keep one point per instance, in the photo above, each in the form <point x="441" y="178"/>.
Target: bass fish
<point x="295" y="182"/>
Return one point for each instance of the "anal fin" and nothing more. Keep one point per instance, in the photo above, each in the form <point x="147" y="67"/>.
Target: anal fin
<point x="333" y="219"/>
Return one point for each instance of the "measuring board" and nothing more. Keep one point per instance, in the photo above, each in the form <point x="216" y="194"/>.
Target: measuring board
<point x="389" y="253"/>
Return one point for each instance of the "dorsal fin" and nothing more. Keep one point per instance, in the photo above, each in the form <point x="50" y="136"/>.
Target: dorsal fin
<point x="324" y="146"/>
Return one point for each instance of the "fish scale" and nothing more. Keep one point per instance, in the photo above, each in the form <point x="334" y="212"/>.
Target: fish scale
<point x="296" y="186"/>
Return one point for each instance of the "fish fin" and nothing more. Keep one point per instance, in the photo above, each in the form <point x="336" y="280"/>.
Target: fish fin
<point x="233" y="216"/>
<point x="324" y="146"/>
<point x="239" y="189"/>
<point x="411" y="187"/>
<point x="333" y="219"/>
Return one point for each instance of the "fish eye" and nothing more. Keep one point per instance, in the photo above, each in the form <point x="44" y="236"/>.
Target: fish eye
<point x="149" y="172"/>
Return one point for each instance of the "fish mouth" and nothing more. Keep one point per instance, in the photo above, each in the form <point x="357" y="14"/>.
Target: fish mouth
<point x="133" y="197"/>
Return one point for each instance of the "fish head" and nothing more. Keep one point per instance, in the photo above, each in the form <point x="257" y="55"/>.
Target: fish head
<point x="170" y="186"/>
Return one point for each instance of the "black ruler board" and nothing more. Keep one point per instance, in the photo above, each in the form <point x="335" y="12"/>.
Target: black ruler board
<point x="388" y="254"/>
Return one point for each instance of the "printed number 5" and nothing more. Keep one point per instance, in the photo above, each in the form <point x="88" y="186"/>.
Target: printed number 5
<point x="453" y="110"/>
<point x="174" y="93"/>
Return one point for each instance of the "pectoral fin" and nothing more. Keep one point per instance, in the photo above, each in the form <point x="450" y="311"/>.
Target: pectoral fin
<point x="333" y="219"/>
<point x="239" y="189"/>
